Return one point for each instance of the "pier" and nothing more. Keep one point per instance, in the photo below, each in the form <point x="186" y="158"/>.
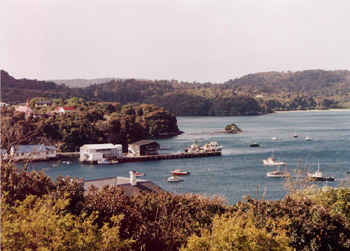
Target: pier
<point x="164" y="156"/>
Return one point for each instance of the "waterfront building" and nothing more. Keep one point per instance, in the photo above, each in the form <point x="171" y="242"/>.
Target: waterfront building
<point x="143" y="147"/>
<point x="96" y="152"/>
<point x="32" y="152"/>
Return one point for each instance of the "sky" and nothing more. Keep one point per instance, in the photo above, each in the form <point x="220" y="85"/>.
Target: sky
<point x="187" y="40"/>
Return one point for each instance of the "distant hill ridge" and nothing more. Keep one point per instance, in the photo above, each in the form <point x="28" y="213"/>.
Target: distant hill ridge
<point x="251" y="94"/>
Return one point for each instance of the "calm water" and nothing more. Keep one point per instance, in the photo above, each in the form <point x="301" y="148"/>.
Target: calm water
<point x="239" y="170"/>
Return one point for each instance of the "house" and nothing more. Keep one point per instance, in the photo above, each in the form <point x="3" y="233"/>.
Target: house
<point x="3" y="154"/>
<point x="2" y="104"/>
<point x="32" y="152"/>
<point x="96" y="152"/>
<point x="129" y="186"/>
<point x="43" y="103"/>
<point x="143" y="147"/>
<point x="26" y="109"/>
<point x="64" y="110"/>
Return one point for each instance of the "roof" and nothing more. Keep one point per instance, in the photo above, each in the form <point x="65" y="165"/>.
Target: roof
<point x="124" y="183"/>
<point x="143" y="142"/>
<point x="44" y="102"/>
<point x="30" y="148"/>
<point x="23" y="108"/>
<point x="33" y="148"/>
<point x="101" y="146"/>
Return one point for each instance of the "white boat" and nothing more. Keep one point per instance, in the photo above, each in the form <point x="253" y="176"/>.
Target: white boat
<point x="212" y="146"/>
<point x="308" y="138"/>
<point x="140" y="174"/>
<point x="175" y="179"/>
<point x="106" y="162"/>
<point x="272" y="162"/>
<point x="275" y="138"/>
<point x="318" y="176"/>
<point x="295" y="135"/>
<point x="278" y="174"/>
<point x="194" y="148"/>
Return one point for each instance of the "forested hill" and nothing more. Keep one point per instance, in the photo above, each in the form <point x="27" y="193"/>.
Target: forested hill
<point x="252" y="94"/>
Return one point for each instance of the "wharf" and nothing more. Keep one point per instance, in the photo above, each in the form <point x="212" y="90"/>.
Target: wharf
<point x="68" y="154"/>
<point x="169" y="156"/>
<point x="163" y="157"/>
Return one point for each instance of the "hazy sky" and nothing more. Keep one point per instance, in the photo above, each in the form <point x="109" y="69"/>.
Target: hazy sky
<point x="191" y="40"/>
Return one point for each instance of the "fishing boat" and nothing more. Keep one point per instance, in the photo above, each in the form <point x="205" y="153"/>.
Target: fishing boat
<point x="106" y="162"/>
<point x="272" y="162"/>
<point x="318" y="176"/>
<point x="179" y="172"/>
<point x="194" y="148"/>
<point x="212" y="147"/>
<point x="175" y="179"/>
<point x="278" y="174"/>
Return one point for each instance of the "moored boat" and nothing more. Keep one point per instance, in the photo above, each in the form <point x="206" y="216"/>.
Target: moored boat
<point x="272" y="162"/>
<point x="175" y="179"/>
<point x="318" y="176"/>
<point x="308" y="138"/>
<point x="107" y="162"/>
<point x="278" y="174"/>
<point x="179" y="172"/>
<point x="140" y="174"/>
<point x="212" y="146"/>
<point x="254" y="145"/>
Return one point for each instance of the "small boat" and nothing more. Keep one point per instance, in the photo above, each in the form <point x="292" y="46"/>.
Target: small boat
<point x="272" y="162"/>
<point x="175" y="179"/>
<point x="308" y="138"/>
<point x="106" y="162"/>
<point x="274" y="138"/>
<point x="317" y="176"/>
<point x="67" y="162"/>
<point x="278" y="174"/>
<point x="140" y="174"/>
<point x="179" y="172"/>
<point x="295" y="135"/>
<point x="254" y="145"/>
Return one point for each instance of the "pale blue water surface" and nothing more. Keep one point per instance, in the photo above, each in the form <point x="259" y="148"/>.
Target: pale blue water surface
<point x="239" y="170"/>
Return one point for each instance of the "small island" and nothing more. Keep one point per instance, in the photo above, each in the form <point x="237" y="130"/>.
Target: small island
<point x="232" y="128"/>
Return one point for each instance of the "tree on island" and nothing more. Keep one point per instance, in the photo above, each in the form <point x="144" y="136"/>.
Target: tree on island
<point x="232" y="128"/>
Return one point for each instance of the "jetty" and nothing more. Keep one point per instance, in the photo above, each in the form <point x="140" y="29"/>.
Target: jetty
<point x="181" y="155"/>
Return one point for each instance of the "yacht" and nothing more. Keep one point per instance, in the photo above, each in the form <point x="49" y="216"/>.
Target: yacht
<point x="212" y="146"/>
<point x="317" y="176"/>
<point x="179" y="172"/>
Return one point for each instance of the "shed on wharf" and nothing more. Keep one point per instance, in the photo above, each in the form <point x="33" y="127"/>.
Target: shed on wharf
<point x="143" y="148"/>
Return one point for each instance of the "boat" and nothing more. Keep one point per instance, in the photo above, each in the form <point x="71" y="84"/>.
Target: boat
<point x="140" y="174"/>
<point x="212" y="147"/>
<point x="278" y="174"/>
<point x="175" y="179"/>
<point x="194" y="148"/>
<point x="106" y="162"/>
<point x="295" y="135"/>
<point x="179" y="172"/>
<point x="254" y="145"/>
<point x="317" y="176"/>
<point x="274" y="138"/>
<point x="308" y="138"/>
<point x="272" y="162"/>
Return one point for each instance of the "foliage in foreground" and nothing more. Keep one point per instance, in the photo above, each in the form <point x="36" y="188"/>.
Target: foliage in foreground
<point x="39" y="213"/>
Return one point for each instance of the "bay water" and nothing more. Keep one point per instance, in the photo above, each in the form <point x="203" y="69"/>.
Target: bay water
<point x="240" y="170"/>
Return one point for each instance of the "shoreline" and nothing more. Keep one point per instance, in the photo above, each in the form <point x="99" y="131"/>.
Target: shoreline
<point x="314" y="110"/>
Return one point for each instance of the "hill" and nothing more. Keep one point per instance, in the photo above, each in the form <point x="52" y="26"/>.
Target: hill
<point x="252" y="94"/>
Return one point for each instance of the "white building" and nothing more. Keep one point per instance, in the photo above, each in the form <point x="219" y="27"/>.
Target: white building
<point x="32" y="152"/>
<point x="96" y="152"/>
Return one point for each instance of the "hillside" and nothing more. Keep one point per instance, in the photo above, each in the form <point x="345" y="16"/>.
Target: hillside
<point x="252" y="94"/>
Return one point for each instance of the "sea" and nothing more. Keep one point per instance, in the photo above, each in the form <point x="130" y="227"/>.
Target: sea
<point x="239" y="172"/>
